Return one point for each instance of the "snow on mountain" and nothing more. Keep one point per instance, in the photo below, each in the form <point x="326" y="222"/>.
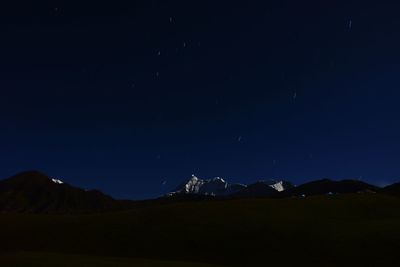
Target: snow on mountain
<point x="279" y="186"/>
<point x="57" y="181"/>
<point x="34" y="191"/>
<point x="219" y="187"/>
<point x="192" y="186"/>
<point x="215" y="187"/>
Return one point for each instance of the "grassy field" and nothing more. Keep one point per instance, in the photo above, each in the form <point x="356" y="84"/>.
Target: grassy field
<point x="62" y="260"/>
<point x="347" y="230"/>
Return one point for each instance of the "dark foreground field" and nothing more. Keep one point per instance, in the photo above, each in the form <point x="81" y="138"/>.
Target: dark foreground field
<point x="347" y="230"/>
<point x="65" y="260"/>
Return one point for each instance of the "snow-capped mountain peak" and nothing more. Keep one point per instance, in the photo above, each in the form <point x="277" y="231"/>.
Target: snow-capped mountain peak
<point x="57" y="181"/>
<point x="278" y="185"/>
<point x="220" y="187"/>
<point x="219" y="179"/>
<point x="193" y="185"/>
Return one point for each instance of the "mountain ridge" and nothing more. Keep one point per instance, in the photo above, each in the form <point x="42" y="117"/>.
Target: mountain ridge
<point x="219" y="187"/>
<point x="274" y="188"/>
<point x="33" y="191"/>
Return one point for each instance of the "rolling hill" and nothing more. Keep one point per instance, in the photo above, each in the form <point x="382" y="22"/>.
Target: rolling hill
<point x="326" y="186"/>
<point x="36" y="192"/>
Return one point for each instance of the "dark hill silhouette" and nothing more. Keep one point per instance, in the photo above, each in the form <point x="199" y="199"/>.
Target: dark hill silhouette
<point x="36" y="192"/>
<point x="393" y="189"/>
<point x="326" y="186"/>
<point x="256" y="190"/>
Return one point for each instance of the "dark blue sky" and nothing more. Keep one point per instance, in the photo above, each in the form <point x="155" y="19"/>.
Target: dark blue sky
<point x="125" y="95"/>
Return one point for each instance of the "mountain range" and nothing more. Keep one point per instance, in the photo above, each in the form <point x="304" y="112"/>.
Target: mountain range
<point x="36" y="192"/>
<point x="219" y="187"/>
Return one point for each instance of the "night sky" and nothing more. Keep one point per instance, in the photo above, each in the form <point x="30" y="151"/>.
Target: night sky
<point x="133" y="98"/>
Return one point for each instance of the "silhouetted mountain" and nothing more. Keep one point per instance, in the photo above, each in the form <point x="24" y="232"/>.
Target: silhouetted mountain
<point x="259" y="189"/>
<point x="393" y="189"/>
<point x="35" y="192"/>
<point x="279" y="186"/>
<point x="218" y="187"/>
<point x="212" y="187"/>
<point x="326" y="186"/>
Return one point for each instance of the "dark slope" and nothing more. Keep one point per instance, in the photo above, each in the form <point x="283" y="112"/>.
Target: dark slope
<point x="35" y="192"/>
<point x="347" y="230"/>
<point x="256" y="190"/>
<point x="393" y="189"/>
<point x="326" y="186"/>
